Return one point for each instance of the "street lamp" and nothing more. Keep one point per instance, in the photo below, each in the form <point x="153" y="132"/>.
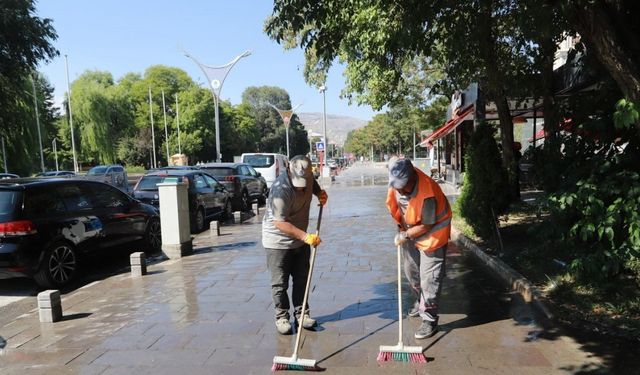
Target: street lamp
<point x="73" y="142"/>
<point x="216" y="76"/>
<point x="35" y="104"/>
<point x="286" y="115"/>
<point x="54" y="146"/>
<point x="325" y="169"/>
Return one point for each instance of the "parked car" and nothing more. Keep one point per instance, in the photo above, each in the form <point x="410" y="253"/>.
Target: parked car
<point x="114" y="175"/>
<point x="269" y="165"/>
<point x="244" y="183"/>
<point x="208" y="199"/>
<point x="46" y="225"/>
<point x="56" y="174"/>
<point x="315" y="169"/>
<point x="4" y="176"/>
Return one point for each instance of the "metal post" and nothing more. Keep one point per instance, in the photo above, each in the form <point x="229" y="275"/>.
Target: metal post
<point x="4" y="156"/>
<point x="154" y="161"/>
<point x="414" y="142"/>
<point x="166" y="132"/>
<point x="35" y="104"/>
<point x="54" y="145"/>
<point x="73" y="142"/>
<point x="218" y="151"/>
<point x="178" y="123"/>
<point x="535" y="118"/>
<point x="323" y="90"/>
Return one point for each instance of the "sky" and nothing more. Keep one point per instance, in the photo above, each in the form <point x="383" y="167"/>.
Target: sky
<point x="129" y="36"/>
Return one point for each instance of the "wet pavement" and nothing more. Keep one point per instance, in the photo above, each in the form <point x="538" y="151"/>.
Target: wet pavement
<point x="212" y="313"/>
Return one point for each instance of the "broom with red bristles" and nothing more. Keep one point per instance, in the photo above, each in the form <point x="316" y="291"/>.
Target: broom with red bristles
<point x="293" y="362"/>
<point x="401" y="352"/>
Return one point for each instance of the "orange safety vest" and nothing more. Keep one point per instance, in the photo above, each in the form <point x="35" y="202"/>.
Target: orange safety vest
<point x="440" y="232"/>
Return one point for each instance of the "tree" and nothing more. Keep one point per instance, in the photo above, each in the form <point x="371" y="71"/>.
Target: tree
<point x="610" y="28"/>
<point x="25" y="41"/>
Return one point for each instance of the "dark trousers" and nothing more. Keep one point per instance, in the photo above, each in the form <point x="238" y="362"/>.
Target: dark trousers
<point x="283" y="264"/>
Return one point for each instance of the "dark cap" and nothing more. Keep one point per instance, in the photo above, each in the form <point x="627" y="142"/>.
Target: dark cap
<point x="399" y="173"/>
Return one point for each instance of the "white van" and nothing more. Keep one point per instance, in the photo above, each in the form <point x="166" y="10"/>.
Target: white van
<point x="269" y="165"/>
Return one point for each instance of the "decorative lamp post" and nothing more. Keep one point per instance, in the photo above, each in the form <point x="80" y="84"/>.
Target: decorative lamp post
<point x="216" y="76"/>
<point x="73" y="141"/>
<point x="286" y="115"/>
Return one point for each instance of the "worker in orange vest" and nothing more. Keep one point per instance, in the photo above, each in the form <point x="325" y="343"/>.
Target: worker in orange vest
<point x="423" y="215"/>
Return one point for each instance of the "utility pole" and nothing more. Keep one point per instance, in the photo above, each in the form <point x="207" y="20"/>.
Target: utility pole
<point x="73" y="142"/>
<point x="154" y="161"/>
<point x="166" y="133"/>
<point x="35" y="104"/>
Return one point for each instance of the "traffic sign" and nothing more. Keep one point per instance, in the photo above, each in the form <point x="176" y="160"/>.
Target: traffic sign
<point x="319" y="146"/>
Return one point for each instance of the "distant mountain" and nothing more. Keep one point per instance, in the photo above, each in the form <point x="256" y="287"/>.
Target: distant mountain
<point x="337" y="126"/>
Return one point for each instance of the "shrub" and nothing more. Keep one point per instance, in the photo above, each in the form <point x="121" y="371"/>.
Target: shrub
<point x="485" y="187"/>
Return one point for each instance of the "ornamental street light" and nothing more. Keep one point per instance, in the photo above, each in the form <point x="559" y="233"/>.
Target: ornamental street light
<point x="35" y="104"/>
<point x="54" y="146"/>
<point x="73" y="139"/>
<point x="216" y="76"/>
<point x="325" y="170"/>
<point x="286" y="115"/>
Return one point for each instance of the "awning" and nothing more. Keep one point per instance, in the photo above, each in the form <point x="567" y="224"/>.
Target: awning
<point x="539" y="135"/>
<point x="448" y="126"/>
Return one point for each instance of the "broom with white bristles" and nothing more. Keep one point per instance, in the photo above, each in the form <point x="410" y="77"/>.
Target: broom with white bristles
<point x="401" y="352"/>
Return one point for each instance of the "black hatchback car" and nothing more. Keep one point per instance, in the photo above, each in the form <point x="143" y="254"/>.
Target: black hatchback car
<point x="244" y="183"/>
<point x="47" y="224"/>
<point x="207" y="197"/>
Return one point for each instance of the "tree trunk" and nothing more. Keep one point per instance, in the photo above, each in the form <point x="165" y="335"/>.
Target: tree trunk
<point x="506" y="133"/>
<point x="603" y="27"/>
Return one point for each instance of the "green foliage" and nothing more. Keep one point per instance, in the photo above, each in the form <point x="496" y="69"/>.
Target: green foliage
<point x="485" y="190"/>
<point x="595" y="210"/>
<point x="25" y="41"/>
<point x="626" y="114"/>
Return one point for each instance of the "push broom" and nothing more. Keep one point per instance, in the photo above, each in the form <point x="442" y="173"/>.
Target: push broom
<point x="400" y="352"/>
<point x="293" y="362"/>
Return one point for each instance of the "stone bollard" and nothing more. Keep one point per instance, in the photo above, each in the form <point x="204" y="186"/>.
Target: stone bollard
<point x="237" y="216"/>
<point x="256" y="208"/>
<point x="214" y="228"/>
<point x="49" y="306"/>
<point x="138" y="264"/>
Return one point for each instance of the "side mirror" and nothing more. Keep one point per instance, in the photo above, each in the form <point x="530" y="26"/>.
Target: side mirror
<point x="259" y="174"/>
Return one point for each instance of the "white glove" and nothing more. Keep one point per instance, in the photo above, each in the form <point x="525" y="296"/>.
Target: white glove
<point x="401" y="238"/>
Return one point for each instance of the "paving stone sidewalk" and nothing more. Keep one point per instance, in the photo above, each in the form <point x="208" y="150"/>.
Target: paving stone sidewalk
<point x="211" y="312"/>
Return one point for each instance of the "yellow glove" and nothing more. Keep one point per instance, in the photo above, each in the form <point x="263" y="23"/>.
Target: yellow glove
<point x="322" y="197"/>
<point x="312" y="239"/>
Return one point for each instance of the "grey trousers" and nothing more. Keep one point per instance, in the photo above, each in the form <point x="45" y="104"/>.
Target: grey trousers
<point x="425" y="272"/>
<point x="284" y="264"/>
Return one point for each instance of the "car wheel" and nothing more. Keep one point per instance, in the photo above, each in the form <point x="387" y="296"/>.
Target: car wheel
<point x="245" y="201"/>
<point x="228" y="210"/>
<point x="59" y="265"/>
<point x="199" y="221"/>
<point x="153" y="237"/>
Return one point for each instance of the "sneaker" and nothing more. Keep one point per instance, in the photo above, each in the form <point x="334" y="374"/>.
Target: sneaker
<point x="415" y="310"/>
<point x="308" y="322"/>
<point x="427" y="329"/>
<point x="283" y="326"/>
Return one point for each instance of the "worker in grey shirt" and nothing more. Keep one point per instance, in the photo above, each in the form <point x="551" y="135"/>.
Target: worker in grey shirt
<point x="286" y="241"/>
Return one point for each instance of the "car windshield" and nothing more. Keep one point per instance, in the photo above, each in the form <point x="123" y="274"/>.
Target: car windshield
<point x="259" y="161"/>
<point x="148" y="183"/>
<point x="8" y="201"/>
<point x="97" y="170"/>
<point x="220" y="171"/>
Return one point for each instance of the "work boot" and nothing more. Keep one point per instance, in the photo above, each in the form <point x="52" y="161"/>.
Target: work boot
<point x="307" y="323"/>
<point x="415" y="310"/>
<point x="427" y="329"/>
<point x="283" y="326"/>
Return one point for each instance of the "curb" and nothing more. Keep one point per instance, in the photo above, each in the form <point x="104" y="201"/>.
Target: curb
<point x="511" y="277"/>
